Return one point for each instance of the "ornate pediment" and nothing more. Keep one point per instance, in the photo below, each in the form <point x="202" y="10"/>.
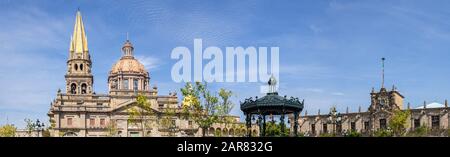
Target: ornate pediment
<point x="126" y="106"/>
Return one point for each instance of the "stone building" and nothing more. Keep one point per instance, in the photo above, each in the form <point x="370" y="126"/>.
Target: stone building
<point x="79" y="111"/>
<point x="383" y="104"/>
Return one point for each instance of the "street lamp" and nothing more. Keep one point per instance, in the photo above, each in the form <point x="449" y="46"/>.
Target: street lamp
<point x="39" y="126"/>
<point x="334" y="118"/>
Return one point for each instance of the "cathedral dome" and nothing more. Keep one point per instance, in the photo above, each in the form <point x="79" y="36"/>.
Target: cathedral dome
<point x="128" y="64"/>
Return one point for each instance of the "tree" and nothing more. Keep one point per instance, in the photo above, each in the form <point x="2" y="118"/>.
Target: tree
<point x="274" y="129"/>
<point x="200" y="105"/>
<point x="420" y="131"/>
<point x="398" y="122"/>
<point x="8" y="130"/>
<point x="224" y="107"/>
<point x="30" y="127"/>
<point x="112" y="129"/>
<point x="167" y="121"/>
<point x="140" y="114"/>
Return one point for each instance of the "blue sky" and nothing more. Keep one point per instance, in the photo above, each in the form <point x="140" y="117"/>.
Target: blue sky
<point x="330" y="50"/>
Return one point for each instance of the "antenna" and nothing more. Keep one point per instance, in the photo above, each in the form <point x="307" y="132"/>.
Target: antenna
<point x="382" y="82"/>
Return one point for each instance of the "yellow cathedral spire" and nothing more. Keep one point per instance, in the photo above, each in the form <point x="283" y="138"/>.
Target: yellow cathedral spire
<point x="78" y="42"/>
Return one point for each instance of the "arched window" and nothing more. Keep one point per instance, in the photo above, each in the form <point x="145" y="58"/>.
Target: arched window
<point x="114" y="84"/>
<point x="81" y="67"/>
<point x="76" y="67"/>
<point x="135" y="84"/>
<point x="73" y="88"/>
<point x="83" y="88"/>
<point x="125" y="84"/>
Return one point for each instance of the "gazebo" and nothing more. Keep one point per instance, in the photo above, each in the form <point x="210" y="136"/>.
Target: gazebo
<point x="271" y="104"/>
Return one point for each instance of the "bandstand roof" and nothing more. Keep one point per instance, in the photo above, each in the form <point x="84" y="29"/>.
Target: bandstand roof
<point x="272" y="103"/>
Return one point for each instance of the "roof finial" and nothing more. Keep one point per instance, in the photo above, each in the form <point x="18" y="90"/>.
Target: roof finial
<point x="382" y="62"/>
<point x="272" y="84"/>
<point x="127" y="36"/>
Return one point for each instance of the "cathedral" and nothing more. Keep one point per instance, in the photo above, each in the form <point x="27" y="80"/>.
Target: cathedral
<point x="81" y="112"/>
<point x="433" y="117"/>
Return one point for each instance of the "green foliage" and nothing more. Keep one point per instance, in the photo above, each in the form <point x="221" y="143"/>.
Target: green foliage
<point x="112" y="129"/>
<point x="30" y="127"/>
<point x="200" y="105"/>
<point x="52" y="123"/>
<point x="140" y="114"/>
<point x="8" y="131"/>
<point x="273" y="129"/>
<point x="46" y="133"/>
<point x="224" y="108"/>
<point x="166" y="122"/>
<point x="353" y="134"/>
<point x="398" y="122"/>
<point x="217" y="133"/>
<point x="419" y="132"/>
<point x="300" y="134"/>
<point x="326" y="135"/>
<point x="383" y="133"/>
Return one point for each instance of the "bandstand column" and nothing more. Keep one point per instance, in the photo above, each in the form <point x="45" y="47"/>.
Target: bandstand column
<point x="295" y="123"/>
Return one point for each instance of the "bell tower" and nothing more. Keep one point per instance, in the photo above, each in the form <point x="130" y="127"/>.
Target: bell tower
<point x="385" y="100"/>
<point x="79" y="79"/>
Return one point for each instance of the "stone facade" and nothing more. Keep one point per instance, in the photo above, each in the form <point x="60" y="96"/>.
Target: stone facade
<point x="383" y="104"/>
<point x="83" y="113"/>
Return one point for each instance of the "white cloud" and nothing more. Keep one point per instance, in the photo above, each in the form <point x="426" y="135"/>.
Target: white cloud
<point x="149" y="62"/>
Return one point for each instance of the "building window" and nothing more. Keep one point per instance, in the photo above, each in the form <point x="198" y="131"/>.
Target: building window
<point x="73" y="88"/>
<point x="125" y="84"/>
<point x="69" y="121"/>
<point x="313" y="128"/>
<point x="325" y="128"/>
<point x="383" y="124"/>
<point x="416" y="123"/>
<point x="114" y="84"/>
<point x="135" y="84"/>
<point x="102" y="122"/>
<point x="366" y="125"/>
<point x="83" y="88"/>
<point x="92" y="122"/>
<point x="353" y="126"/>
<point x="190" y="123"/>
<point x="81" y="67"/>
<point x="76" y="67"/>
<point x="435" y="120"/>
